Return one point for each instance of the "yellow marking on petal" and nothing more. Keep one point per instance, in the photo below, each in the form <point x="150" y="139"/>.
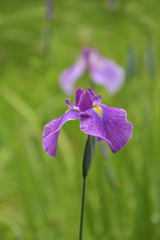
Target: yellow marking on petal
<point x="68" y="110"/>
<point x="98" y="110"/>
<point x="72" y="110"/>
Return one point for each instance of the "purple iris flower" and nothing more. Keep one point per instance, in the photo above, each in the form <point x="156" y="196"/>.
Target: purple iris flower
<point x="96" y="119"/>
<point x="103" y="71"/>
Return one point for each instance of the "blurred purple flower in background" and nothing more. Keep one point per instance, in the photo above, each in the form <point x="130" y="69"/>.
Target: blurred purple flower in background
<point x="96" y="119"/>
<point x="103" y="71"/>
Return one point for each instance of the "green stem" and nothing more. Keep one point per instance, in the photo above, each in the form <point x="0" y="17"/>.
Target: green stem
<point x="82" y="208"/>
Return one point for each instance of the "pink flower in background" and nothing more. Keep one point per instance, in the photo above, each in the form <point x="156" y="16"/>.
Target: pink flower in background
<point x="102" y="71"/>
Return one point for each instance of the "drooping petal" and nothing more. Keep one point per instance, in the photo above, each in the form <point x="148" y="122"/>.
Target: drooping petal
<point x="69" y="76"/>
<point x="52" y="130"/>
<point x="85" y="101"/>
<point x="106" y="73"/>
<point x="78" y="93"/>
<point x="107" y="124"/>
<point x="96" y="100"/>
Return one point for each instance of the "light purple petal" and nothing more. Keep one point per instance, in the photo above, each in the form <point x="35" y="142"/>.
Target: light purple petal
<point x="111" y="126"/>
<point x="52" y="130"/>
<point x="86" y="52"/>
<point x="96" y="100"/>
<point x="78" y="93"/>
<point x="85" y="101"/>
<point x="106" y="73"/>
<point x="69" y="76"/>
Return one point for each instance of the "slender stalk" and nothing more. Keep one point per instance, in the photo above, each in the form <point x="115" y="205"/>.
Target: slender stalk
<point x="82" y="208"/>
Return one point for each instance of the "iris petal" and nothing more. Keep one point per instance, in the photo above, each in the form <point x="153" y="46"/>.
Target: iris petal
<point x="106" y="73"/>
<point x="98" y="109"/>
<point x="91" y="92"/>
<point x="69" y="76"/>
<point x="85" y="101"/>
<point x="112" y="126"/>
<point x="78" y="93"/>
<point x="69" y="105"/>
<point x="52" y="130"/>
<point x="96" y="100"/>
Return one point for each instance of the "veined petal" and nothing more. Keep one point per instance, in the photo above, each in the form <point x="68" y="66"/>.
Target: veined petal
<point x="78" y="93"/>
<point x="69" y="76"/>
<point x="52" y="130"/>
<point x="96" y="100"/>
<point x="107" y="73"/>
<point x="111" y="126"/>
<point x="85" y="101"/>
<point x="91" y="92"/>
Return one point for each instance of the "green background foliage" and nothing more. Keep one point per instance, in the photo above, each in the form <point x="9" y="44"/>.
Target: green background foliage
<point x="40" y="196"/>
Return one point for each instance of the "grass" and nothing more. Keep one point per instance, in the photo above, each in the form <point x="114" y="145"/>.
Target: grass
<point x="40" y="196"/>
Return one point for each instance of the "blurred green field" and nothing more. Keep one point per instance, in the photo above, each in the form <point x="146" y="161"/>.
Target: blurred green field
<point x="40" y="196"/>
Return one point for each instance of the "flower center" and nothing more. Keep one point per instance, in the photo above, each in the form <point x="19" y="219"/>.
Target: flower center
<point x="98" y="110"/>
